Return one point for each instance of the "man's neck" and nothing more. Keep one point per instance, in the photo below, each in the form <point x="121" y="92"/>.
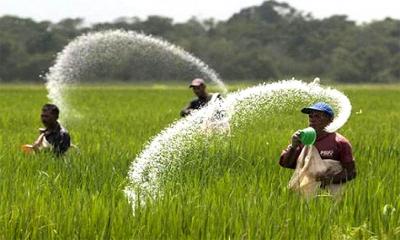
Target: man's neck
<point x="204" y="97"/>
<point x="321" y="133"/>
<point x="53" y="127"/>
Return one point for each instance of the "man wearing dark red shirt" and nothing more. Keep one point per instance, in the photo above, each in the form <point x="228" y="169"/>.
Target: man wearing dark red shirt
<point x="329" y="145"/>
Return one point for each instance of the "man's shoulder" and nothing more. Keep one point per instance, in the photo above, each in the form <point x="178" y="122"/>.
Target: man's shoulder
<point x="194" y="100"/>
<point x="341" y="139"/>
<point x="63" y="131"/>
<point x="214" y="96"/>
<point x="217" y="95"/>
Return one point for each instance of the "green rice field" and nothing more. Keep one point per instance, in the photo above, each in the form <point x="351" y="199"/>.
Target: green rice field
<point x="226" y="188"/>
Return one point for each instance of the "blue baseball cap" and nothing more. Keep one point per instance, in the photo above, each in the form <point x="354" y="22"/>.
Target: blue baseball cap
<point x="319" y="106"/>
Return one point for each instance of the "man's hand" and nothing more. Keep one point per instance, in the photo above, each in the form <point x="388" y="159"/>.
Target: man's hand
<point x="296" y="139"/>
<point x="36" y="145"/>
<point x="186" y="112"/>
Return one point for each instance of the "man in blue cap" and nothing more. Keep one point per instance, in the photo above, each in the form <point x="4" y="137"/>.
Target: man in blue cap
<point x="329" y="145"/>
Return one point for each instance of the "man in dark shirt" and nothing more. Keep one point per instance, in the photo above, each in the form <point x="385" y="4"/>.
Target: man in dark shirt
<point x="53" y="136"/>
<point x="203" y="97"/>
<point x="329" y="145"/>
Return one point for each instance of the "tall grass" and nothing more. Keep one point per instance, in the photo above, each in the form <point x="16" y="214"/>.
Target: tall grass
<point x="223" y="188"/>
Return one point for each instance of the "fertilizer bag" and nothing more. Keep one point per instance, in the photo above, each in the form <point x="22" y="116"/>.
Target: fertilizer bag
<point x="310" y="166"/>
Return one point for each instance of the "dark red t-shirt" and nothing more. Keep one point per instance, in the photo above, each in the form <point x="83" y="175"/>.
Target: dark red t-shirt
<point x="330" y="146"/>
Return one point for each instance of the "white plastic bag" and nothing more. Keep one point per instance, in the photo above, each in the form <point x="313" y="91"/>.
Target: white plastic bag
<point x="309" y="167"/>
<point x="216" y="121"/>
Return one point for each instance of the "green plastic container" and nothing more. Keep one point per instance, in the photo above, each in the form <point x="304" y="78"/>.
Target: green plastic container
<point x="308" y="136"/>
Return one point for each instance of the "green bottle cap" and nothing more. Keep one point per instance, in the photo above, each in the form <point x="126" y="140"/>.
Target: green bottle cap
<point x="308" y="136"/>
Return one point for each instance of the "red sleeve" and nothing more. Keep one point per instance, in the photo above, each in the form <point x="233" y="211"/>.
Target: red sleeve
<point x="345" y="151"/>
<point x="283" y="161"/>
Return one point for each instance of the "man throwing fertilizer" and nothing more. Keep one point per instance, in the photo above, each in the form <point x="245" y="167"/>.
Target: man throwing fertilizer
<point x="332" y="146"/>
<point x="53" y="136"/>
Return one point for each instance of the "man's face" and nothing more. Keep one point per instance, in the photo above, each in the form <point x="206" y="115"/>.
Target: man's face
<point x="48" y="118"/>
<point x="318" y="120"/>
<point x="199" y="90"/>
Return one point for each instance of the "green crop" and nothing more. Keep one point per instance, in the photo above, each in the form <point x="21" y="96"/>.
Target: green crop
<point x="224" y="188"/>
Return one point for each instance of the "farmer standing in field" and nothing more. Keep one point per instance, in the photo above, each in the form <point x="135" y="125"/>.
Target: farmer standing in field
<point x="203" y="97"/>
<point x="53" y="136"/>
<point x="329" y="145"/>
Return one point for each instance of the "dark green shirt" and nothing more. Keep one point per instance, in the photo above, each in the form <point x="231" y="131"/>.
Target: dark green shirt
<point x="198" y="103"/>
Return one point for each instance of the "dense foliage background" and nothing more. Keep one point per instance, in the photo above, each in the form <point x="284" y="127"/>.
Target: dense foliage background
<point x="270" y="41"/>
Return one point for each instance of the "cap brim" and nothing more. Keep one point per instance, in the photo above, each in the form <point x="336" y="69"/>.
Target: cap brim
<point x="308" y="110"/>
